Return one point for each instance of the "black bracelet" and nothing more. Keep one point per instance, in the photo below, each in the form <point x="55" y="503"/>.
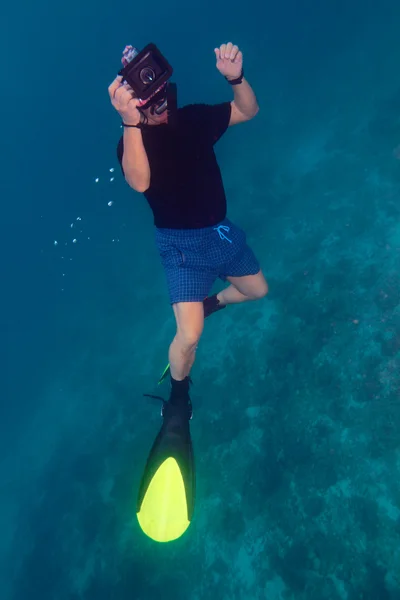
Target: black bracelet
<point x="236" y="81"/>
<point x="138" y="126"/>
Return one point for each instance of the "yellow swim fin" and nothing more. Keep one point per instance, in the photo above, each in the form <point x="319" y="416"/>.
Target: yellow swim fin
<point x="166" y="496"/>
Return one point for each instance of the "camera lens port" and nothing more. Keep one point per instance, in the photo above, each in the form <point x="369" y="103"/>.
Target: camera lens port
<point x="147" y="75"/>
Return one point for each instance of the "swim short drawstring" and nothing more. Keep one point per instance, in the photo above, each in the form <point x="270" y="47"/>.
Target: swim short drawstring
<point x="221" y="234"/>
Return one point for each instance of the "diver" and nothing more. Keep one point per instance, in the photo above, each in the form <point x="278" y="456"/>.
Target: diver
<point x="170" y="158"/>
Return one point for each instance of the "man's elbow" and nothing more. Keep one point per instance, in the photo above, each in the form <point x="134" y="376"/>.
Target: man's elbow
<point x="138" y="186"/>
<point x="251" y="114"/>
<point x="255" y="112"/>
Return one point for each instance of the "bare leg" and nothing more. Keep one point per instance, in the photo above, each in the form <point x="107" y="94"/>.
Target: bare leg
<point x="190" y="322"/>
<point x="242" y="289"/>
<point x="231" y="295"/>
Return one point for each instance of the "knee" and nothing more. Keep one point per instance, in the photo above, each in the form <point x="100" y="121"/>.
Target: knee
<point x="260" y="291"/>
<point x="189" y="338"/>
<point x="190" y="322"/>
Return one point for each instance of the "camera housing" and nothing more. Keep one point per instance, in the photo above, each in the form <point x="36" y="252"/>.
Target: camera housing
<point x="147" y="72"/>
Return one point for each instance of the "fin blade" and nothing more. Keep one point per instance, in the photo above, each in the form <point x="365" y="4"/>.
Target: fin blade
<point x="163" y="515"/>
<point x="166" y="496"/>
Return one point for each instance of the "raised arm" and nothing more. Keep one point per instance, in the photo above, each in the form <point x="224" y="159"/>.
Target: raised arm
<point x="230" y="65"/>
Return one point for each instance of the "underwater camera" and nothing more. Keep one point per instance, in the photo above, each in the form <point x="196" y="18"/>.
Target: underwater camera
<point x="145" y="71"/>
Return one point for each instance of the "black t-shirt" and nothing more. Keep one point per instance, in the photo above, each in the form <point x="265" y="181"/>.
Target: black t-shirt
<point x="186" y="189"/>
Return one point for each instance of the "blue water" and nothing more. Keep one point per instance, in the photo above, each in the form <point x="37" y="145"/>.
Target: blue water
<point x="297" y="416"/>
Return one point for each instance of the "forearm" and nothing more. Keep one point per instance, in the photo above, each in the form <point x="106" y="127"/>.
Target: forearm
<point x="135" y="162"/>
<point x="245" y="99"/>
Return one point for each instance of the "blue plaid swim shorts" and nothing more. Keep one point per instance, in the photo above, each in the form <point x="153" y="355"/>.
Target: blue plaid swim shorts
<point x="194" y="258"/>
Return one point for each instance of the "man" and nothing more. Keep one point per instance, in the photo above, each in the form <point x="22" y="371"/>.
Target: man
<point x="176" y="169"/>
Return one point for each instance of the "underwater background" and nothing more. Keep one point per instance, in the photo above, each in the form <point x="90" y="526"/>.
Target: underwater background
<point x="296" y="397"/>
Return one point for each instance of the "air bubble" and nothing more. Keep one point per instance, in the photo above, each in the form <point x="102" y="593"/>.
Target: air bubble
<point x="81" y="229"/>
